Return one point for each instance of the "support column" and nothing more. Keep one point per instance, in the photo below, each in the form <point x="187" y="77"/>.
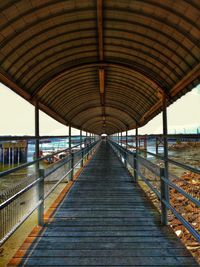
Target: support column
<point x="37" y="135"/>
<point x="70" y="138"/>
<point x="40" y="173"/>
<point x="136" y="169"/>
<point x="81" y="139"/>
<point x="86" y="137"/>
<point x="86" y="143"/>
<point x="72" y="156"/>
<point x="121" y="138"/>
<point x="126" y="139"/>
<point x="166" y="173"/>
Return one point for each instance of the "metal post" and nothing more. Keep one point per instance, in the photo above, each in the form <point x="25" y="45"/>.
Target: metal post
<point x="72" y="166"/>
<point x="136" y="155"/>
<point x="87" y="134"/>
<point x="121" y="138"/>
<point x="165" y="132"/>
<point x="72" y="156"/>
<point x="156" y="145"/>
<point x="40" y="187"/>
<point x="70" y="138"/>
<point x="164" y="196"/>
<point x="37" y="135"/>
<point x="81" y="140"/>
<point x="41" y="198"/>
<point x="37" y="154"/>
<point x="126" y="139"/>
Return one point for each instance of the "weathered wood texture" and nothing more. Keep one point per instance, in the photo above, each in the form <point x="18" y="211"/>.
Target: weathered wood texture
<point x="105" y="220"/>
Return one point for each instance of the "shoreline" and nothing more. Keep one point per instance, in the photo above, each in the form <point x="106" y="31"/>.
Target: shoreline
<point x="184" y="145"/>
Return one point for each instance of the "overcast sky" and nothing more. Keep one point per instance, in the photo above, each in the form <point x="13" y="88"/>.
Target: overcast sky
<point x="17" y="116"/>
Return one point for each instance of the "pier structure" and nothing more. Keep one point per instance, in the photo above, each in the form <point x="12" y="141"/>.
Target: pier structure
<point x="13" y="152"/>
<point x="103" y="67"/>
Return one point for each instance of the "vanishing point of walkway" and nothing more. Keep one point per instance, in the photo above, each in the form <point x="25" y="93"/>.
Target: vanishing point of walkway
<point x="105" y="220"/>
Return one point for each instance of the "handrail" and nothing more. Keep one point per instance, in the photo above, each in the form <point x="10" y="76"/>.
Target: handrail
<point x="8" y="201"/>
<point x="12" y="198"/>
<point x="22" y="166"/>
<point x="29" y="137"/>
<point x="187" y="135"/>
<point x="63" y="177"/>
<point x="3" y="240"/>
<point x="164" y="182"/>
<point x="83" y="151"/>
<point x="181" y="191"/>
<point x="182" y="165"/>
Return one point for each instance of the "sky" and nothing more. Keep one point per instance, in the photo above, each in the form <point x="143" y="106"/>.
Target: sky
<point x="17" y="116"/>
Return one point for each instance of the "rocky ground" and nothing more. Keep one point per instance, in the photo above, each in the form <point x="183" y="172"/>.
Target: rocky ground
<point x="190" y="183"/>
<point x="184" y="145"/>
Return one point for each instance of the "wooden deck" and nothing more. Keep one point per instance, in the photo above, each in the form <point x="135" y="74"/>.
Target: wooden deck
<point x="105" y="220"/>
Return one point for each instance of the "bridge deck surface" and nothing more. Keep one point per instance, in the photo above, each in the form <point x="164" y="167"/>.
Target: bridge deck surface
<point x="105" y="220"/>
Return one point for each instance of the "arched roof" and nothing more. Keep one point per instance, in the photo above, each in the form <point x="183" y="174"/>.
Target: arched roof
<point x="100" y="66"/>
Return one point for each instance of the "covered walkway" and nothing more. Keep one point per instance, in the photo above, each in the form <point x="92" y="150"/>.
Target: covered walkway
<point x="105" y="220"/>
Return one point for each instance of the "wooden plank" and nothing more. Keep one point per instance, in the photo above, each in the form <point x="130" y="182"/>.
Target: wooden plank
<point x="137" y="252"/>
<point x="110" y="261"/>
<point x="101" y="245"/>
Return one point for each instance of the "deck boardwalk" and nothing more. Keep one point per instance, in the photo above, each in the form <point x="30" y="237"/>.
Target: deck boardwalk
<point x="105" y="220"/>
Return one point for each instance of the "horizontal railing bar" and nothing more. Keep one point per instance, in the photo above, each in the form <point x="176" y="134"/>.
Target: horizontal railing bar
<point x="55" y="169"/>
<point x="183" y="220"/>
<point x="22" y="191"/>
<point x="150" y="185"/>
<point x="166" y="203"/>
<point x="64" y="176"/>
<point x="156" y="172"/>
<point x="57" y="183"/>
<point x="9" y="138"/>
<point x="51" y="190"/>
<point x="20" y="223"/>
<point x="182" y="165"/>
<point x="22" y="166"/>
<point x="194" y="136"/>
<point x="181" y="191"/>
<point x="65" y="161"/>
<point x="8" y="201"/>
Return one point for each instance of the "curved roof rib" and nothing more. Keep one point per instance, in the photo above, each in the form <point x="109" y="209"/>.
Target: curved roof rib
<point x="100" y="66"/>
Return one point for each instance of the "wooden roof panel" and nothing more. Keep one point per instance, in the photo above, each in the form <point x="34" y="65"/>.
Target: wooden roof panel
<point x="51" y="52"/>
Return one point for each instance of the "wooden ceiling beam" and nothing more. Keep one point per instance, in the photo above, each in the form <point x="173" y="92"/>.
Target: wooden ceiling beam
<point x="188" y="79"/>
<point x="7" y="81"/>
<point x="102" y="80"/>
<point x="101" y="58"/>
<point x="103" y="65"/>
<point x="181" y="85"/>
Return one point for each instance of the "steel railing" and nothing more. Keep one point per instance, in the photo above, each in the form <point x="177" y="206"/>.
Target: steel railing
<point x="15" y="209"/>
<point x="137" y="164"/>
